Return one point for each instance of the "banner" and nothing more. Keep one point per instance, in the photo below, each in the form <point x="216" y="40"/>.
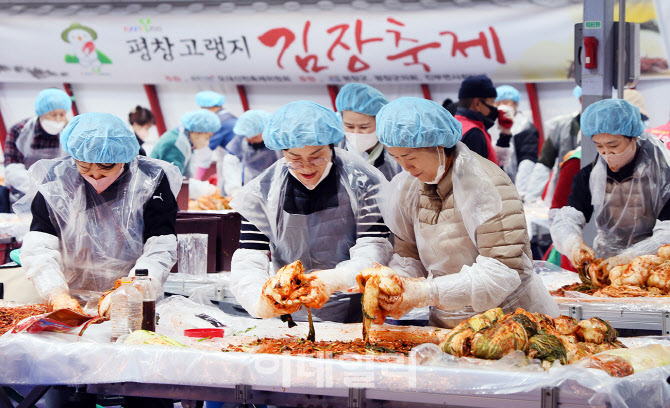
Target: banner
<point x="526" y="43"/>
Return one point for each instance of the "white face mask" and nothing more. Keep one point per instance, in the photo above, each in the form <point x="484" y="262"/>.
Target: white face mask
<point x="441" y="168"/>
<point x="616" y="161"/>
<point x="323" y="176"/>
<point x="362" y="142"/>
<point x="52" y="127"/>
<point x="202" y="157"/>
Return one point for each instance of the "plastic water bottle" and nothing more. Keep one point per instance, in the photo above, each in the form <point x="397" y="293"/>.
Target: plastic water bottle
<point x="126" y="308"/>
<point x="148" y="290"/>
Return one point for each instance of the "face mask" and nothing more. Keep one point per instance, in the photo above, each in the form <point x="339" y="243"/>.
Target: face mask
<point x="143" y="134"/>
<point x="102" y="184"/>
<point x="616" y="161"/>
<point x="323" y="176"/>
<point x="493" y="112"/>
<point x="52" y="127"/>
<point x="202" y="157"/>
<point x="362" y="142"/>
<point x="441" y="168"/>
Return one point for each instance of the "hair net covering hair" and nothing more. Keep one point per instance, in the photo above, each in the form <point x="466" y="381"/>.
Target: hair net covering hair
<point x="360" y="98"/>
<point x="251" y="123"/>
<point x="507" y="93"/>
<point x="99" y="138"/>
<point x="577" y="91"/>
<point x="52" y="99"/>
<point x="613" y="116"/>
<point x="417" y="122"/>
<point x="201" y="121"/>
<point x="208" y="99"/>
<point x="302" y="123"/>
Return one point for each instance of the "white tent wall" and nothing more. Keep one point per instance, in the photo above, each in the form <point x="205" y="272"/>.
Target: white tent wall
<point x="17" y="99"/>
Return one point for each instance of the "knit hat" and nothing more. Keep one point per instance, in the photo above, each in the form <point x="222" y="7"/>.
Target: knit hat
<point x="477" y="86"/>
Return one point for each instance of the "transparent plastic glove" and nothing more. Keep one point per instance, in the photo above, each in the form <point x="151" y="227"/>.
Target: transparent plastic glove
<point x="505" y="118"/>
<point x="567" y="229"/>
<point x="581" y="254"/>
<point x="660" y="236"/>
<point x="62" y="300"/>
<point x="104" y="304"/>
<point x="249" y="273"/>
<point x="536" y="182"/>
<point x="416" y="293"/>
<point x="268" y="307"/>
<point x="16" y="176"/>
<point x="199" y="188"/>
<point x="41" y="259"/>
<point x="611" y="262"/>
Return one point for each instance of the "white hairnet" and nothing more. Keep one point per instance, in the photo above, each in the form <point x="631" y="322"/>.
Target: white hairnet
<point x="52" y="99"/>
<point x="99" y="138"/>
<point x="417" y="122"/>
<point x="302" y="123"/>
<point x="208" y="99"/>
<point x="507" y="93"/>
<point x="201" y="120"/>
<point x="613" y="116"/>
<point x="360" y="98"/>
<point x="251" y="123"/>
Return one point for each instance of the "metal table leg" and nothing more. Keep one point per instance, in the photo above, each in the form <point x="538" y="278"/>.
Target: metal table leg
<point x="5" y="402"/>
<point x="34" y="396"/>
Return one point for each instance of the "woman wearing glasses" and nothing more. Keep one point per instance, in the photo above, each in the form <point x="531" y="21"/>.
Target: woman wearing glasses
<point x="318" y="205"/>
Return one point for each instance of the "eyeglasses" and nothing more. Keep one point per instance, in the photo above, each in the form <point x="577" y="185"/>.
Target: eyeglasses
<point x="297" y="165"/>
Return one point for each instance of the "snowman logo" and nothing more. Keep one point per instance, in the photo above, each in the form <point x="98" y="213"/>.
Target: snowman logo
<point x="85" y="53"/>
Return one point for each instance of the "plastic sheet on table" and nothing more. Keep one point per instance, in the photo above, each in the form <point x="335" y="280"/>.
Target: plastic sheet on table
<point x="554" y="277"/>
<point x="63" y="359"/>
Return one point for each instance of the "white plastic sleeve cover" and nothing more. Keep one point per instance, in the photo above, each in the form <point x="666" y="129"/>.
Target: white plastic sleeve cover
<point x="503" y="154"/>
<point x="16" y="176"/>
<point x="536" y="182"/>
<point x="366" y="251"/>
<point x="250" y="269"/>
<point x="484" y="285"/>
<point x="158" y="257"/>
<point x="198" y="188"/>
<point x="659" y="237"/>
<point x="41" y="259"/>
<point x="407" y="266"/>
<point x="523" y="176"/>
<point x="232" y="174"/>
<point x="567" y="228"/>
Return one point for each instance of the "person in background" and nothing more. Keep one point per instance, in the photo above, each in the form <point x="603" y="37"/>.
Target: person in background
<point x="450" y="106"/>
<point x="477" y="113"/>
<point x="187" y="147"/>
<point x="98" y="214"/>
<point x="142" y="120"/>
<point x="359" y="104"/>
<point x="214" y="102"/>
<point x="461" y="245"/>
<point x="319" y="205"/>
<point x="561" y="136"/>
<point x="662" y="133"/>
<point x="256" y="157"/>
<point x="35" y="138"/>
<point x="626" y="189"/>
<point x="517" y="146"/>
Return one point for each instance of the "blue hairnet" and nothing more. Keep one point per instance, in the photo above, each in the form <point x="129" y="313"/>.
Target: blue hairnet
<point x="208" y="99"/>
<point x="417" y="122"/>
<point x="302" y="123"/>
<point x="201" y="120"/>
<point x="613" y="116"/>
<point x="251" y="123"/>
<point x="508" y="93"/>
<point x="52" y="99"/>
<point x="99" y="138"/>
<point x="577" y="92"/>
<point x="360" y="98"/>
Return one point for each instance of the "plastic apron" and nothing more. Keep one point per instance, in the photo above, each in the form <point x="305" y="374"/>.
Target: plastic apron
<point x="444" y="251"/>
<point x="30" y="154"/>
<point x="100" y="239"/>
<point x="626" y="211"/>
